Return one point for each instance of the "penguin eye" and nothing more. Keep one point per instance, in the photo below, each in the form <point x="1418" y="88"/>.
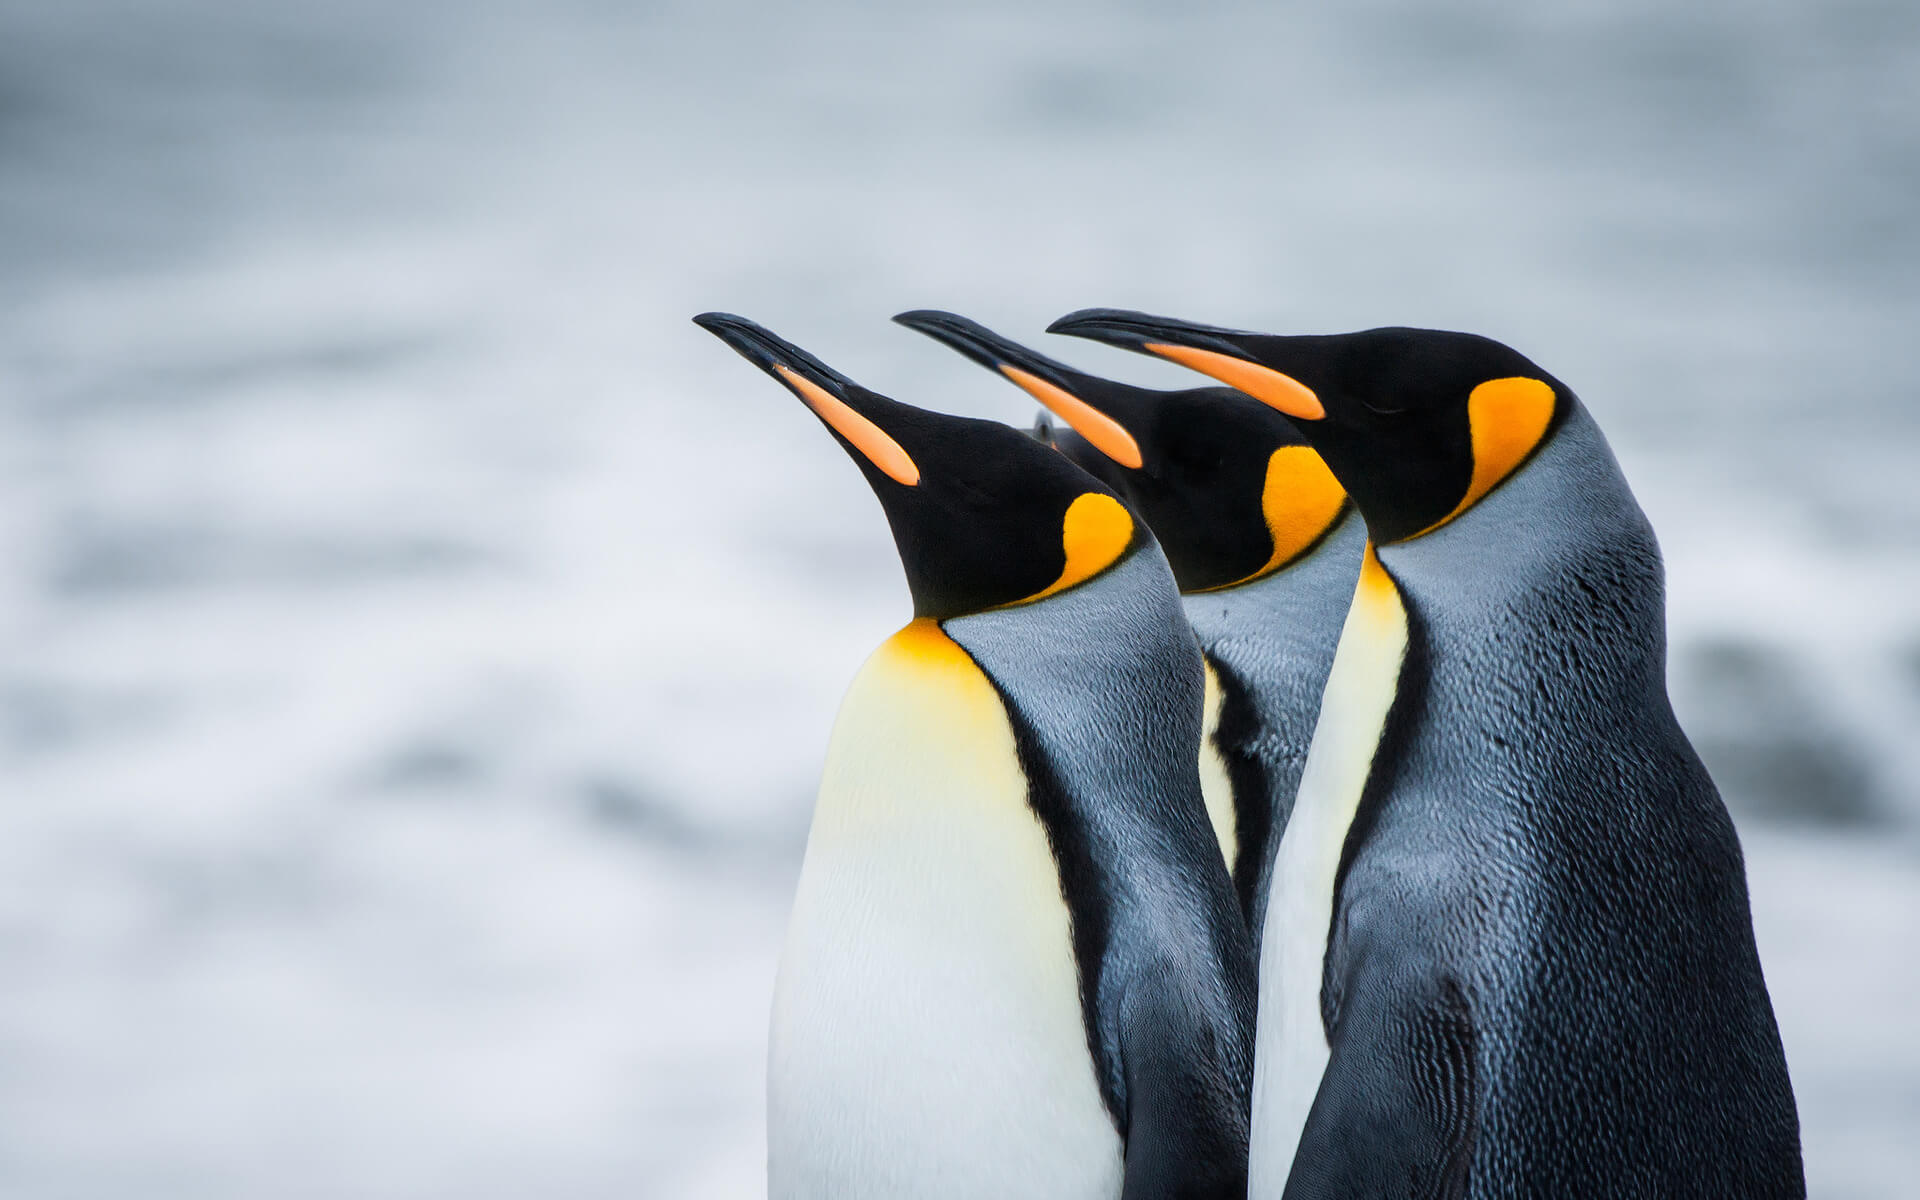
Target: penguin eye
<point x="1189" y="453"/>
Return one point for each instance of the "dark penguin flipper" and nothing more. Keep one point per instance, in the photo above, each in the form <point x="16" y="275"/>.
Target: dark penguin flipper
<point x="1394" y="1116"/>
<point x="1186" y="1094"/>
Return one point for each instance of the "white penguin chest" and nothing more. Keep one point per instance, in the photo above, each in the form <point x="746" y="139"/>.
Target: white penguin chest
<point x="1290" y="1045"/>
<point x="927" y="1037"/>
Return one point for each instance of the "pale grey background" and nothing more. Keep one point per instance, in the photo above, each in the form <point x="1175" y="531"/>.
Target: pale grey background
<point x="417" y="641"/>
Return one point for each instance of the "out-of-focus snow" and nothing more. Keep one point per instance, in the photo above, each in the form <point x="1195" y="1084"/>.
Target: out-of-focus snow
<point x="417" y="641"/>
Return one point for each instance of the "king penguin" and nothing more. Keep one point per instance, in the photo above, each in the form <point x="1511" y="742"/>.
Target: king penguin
<point x="1509" y="952"/>
<point x="1014" y="966"/>
<point x="1263" y="544"/>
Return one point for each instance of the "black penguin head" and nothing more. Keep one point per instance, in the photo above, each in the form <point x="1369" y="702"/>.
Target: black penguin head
<point x="983" y="515"/>
<point x="1231" y="490"/>
<point x="1417" y="424"/>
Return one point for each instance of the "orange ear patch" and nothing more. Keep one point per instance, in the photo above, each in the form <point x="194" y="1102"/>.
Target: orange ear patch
<point x="1264" y="384"/>
<point x="869" y="439"/>
<point x="1301" y="501"/>
<point x="1507" y="418"/>
<point x="1095" y="532"/>
<point x="1108" y="436"/>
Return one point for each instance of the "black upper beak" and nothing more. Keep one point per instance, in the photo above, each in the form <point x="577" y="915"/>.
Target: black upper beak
<point x="772" y="353"/>
<point x="986" y="347"/>
<point x="1099" y="410"/>
<point x="1225" y="354"/>
<point x="1136" y="330"/>
<point x="851" y="411"/>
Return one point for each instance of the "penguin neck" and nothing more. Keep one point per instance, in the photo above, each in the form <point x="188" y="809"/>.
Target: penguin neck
<point x="1558" y="557"/>
<point x="1104" y="685"/>
<point x="1269" y="645"/>
<point x="1292" y="1050"/>
<point x="1056" y="663"/>
<point x="1292" y="601"/>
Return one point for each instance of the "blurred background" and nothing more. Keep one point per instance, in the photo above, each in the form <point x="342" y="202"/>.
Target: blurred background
<point x="418" y="641"/>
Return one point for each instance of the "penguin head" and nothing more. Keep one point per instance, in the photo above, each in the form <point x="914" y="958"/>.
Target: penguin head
<point x="984" y="516"/>
<point x="1417" y="424"/>
<point x="1231" y="490"/>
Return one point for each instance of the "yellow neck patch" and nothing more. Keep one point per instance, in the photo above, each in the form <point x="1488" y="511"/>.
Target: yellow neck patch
<point x="923" y="641"/>
<point x="1107" y="435"/>
<point x="1301" y="502"/>
<point x="1095" y="532"/>
<point x="869" y="439"/>
<point x="1264" y="384"/>
<point x="1375" y="592"/>
<point x="1507" y="419"/>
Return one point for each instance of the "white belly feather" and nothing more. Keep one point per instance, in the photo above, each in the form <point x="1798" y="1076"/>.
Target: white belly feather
<point x="1290" y="1051"/>
<point x="927" y="1037"/>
